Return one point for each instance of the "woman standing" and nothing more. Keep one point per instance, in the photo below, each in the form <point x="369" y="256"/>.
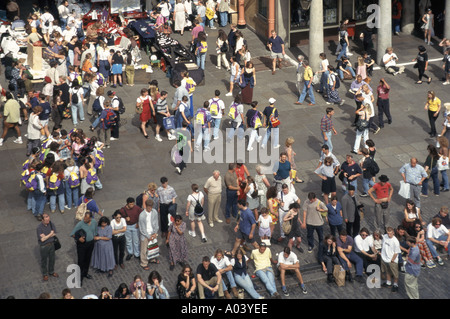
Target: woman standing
<point x="248" y="79"/>
<point x="201" y="49"/>
<point x="179" y="17"/>
<point x="323" y="73"/>
<point x="422" y="64"/>
<point x="76" y="102"/>
<point x="291" y="157"/>
<point x="186" y="285"/>
<point x="102" y="60"/>
<point x="55" y="186"/>
<point x="428" y="26"/>
<point x="192" y="200"/>
<point x="262" y="184"/>
<point x="327" y="173"/>
<point x="177" y="242"/>
<point x="77" y="55"/>
<point x="433" y="106"/>
<point x="129" y="68"/>
<point x="119" y="227"/>
<point x="343" y="41"/>
<point x="252" y="196"/>
<point x="295" y="233"/>
<point x="103" y="253"/>
<point x="430" y="166"/>
<point x="273" y="204"/>
<point x="87" y="64"/>
<point x="444" y="154"/>
<point x="144" y="102"/>
<point x="362" y="126"/>
<point x="116" y="69"/>
<point x="222" y="48"/>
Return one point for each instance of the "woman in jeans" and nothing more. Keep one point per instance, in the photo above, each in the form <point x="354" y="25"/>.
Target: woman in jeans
<point x="241" y="276"/>
<point x="77" y="108"/>
<point x="430" y="166"/>
<point x="201" y="50"/>
<point x="433" y="106"/>
<point x="443" y="152"/>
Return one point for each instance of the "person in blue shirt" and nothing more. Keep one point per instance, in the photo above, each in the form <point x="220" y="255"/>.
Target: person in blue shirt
<point x="412" y="269"/>
<point x="276" y="47"/>
<point x="245" y="228"/>
<point x="335" y="216"/>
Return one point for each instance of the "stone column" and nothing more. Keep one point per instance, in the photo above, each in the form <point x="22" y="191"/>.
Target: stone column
<point x="384" y="36"/>
<point x="315" y="33"/>
<point x="447" y="20"/>
<point x="270" y="17"/>
<point x="241" y="15"/>
<point x="408" y="16"/>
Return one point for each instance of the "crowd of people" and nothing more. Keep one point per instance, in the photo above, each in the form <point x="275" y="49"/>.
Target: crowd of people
<point x="62" y="167"/>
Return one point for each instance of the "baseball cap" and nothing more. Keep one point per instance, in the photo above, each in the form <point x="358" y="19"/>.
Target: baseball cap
<point x="94" y="69"/>
<point x="111" y="93"/>
<point x="272" y="100"/>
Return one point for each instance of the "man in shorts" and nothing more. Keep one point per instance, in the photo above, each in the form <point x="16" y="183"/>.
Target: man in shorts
<point x="389" y="260"/>
<point x="245" y="227"/>
<point x="276" y="47"/>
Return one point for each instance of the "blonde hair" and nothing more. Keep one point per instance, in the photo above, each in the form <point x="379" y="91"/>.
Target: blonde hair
<point x="360" y="61"/>
<point x="368" y="109"/>
<point x="151" y="186"/>
<point x="289" y="141"/>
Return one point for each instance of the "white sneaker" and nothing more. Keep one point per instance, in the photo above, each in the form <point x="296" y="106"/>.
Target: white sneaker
<point x="1" y="142"/>
<point x="158" y="138"/>
<point x="192" y="233"/>
<point x="171" y="137"/>
<point x="229" y="94"/>
<point x="113" y="139"/>
<point x="215" y="138"/>
<point x="263" y="146"/>
<point x="258" y="140"/>
<point x="250" y="149"/>
<point x="18" y="140"/>
<point x="207" y="149"/>
<point x="342" y="102"/>
<point x="446" y="83"/>
<point x="219" y="221"/>
<point x="277" y="146"/>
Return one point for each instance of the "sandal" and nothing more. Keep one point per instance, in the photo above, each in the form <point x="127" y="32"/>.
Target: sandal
<point x="419" y="82"/>
<point x="429" y="80"/>
<point x="299" y="180"/>
<point x="146" y="268"/>
<point x="154" y="261"/>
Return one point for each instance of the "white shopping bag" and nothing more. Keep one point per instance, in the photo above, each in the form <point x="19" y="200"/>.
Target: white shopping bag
<point x="404" y="190"/>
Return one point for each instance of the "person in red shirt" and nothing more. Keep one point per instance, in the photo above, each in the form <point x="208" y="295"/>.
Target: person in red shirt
<point x="242" y="173"/>
<point x="396" y="16"/>
<point x="383" y="191"/>
<point x="383" y="102"/>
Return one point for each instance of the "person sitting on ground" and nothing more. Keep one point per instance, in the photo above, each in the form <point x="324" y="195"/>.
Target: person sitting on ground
<point x="287" y="260"/>
<point x="209" y="279"/>
<point x="437" y="236"/>
<point x="262" y="257"/>
<point x="390" y="62"/>
<point x="328" y="256"/>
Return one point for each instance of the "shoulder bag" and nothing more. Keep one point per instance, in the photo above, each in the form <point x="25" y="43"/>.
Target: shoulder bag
<point x="56" y="241"/>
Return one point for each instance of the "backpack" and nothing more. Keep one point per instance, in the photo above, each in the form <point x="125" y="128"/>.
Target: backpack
<point x="255" y="121"/>
<point x="224" y="47"/>
<point x="139" y="200"/>
<point x="96" y="106"/>
<point x="91" y="177"/>
<point x="214" y="107"/>
<point x="100" y="79"/>
<point x="75" y="97"/>
<point x="233" y="113"/>
<point x="82" y="210"/>
<point x="337" y="80"/>
<point x="201" y="118"/>
<point x="109" y="119"/>
<point x="198" y="209"/>
<point x="74" y="180"/>
<point x="54" y="182"/>
<point x="121" y="105"/>
<point x="202" y="47"/>
<point x="99" y="160"/>
<point x="374" y="169"/>
<point x="29" y="180"/>
<point x="190" y="85"/>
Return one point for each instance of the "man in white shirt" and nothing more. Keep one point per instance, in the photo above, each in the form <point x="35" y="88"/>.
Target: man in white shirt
<point x="390" y="250"/>
<point x="287" y="260"/>
<point x="364" y="247"/>
<point x="439" y="235"/>
<point x="286" y="198"/>
<point x="217" y="110"/>
<point x="225" y="268"/>
<point x="390" y="62"/>
<point x="64" y="12"/>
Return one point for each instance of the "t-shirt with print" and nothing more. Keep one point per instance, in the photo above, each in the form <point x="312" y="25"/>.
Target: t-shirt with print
<point x="382" y="191"/>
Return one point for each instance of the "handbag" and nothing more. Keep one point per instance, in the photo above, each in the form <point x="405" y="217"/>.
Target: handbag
<point x="287" y="226"/>
<point x="56" y="241"/>
<point x="442" y="163"/>
<point x="139" y="109"/>
<point x="429" y="169"/>
<point x="362" y="125"/>
<point x="404" y="190"/>
<point x="316" y="79"/>
<point x="339" y="275"/>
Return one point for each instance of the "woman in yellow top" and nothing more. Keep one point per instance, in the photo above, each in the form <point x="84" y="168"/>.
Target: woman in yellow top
<point x="273" y="205"/>
<point x="433" y="106"/>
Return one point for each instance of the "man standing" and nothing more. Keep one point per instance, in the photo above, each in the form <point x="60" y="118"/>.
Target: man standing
<point x="414" y="174"/>
<point x="203" y="127"/>
<point x="63" y="11"/>
<point x="209" y="277"/>
<point x="115" y="104"/>
<point x="167" y="197"/>
<point x="383" y="102"/>
<point x="179" y="93"/>
<point x="350" y="209"/>
<point x="327" y="153"/>
<point x="287" y="260"/>
<point x="313" y="219"/>
<point x="412" y="269"/>
<point x="348" y="256"/>
<point x="276" y="47"/>
<point x="283" y="173"/>
<point x="232" y="187"/>
<point x="84" y="233"/>
<point x="213" y="188"/>
<point x="300" y="73"/>
<point x="307" y="85"/>
<point x="217" y="110"/>
<point x="262" y="258"/>
<point x="148" y="229"/>
<point x="245" y="228"/>
<point x="396" y="16"/>
<point x="46" y="237"/>
<point x="11" y="114"/>
<point x="351" y="171"/>
<point x="271" y="112"/>
<point x="327" y="128"/>
<point x="389" y="262"/>
<point x="286" y="199"/>
<point x="131" y="214"/>
<point x="383" y="191"/>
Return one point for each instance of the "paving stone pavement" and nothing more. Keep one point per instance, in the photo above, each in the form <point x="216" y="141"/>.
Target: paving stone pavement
<point x="133" y="162"/>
